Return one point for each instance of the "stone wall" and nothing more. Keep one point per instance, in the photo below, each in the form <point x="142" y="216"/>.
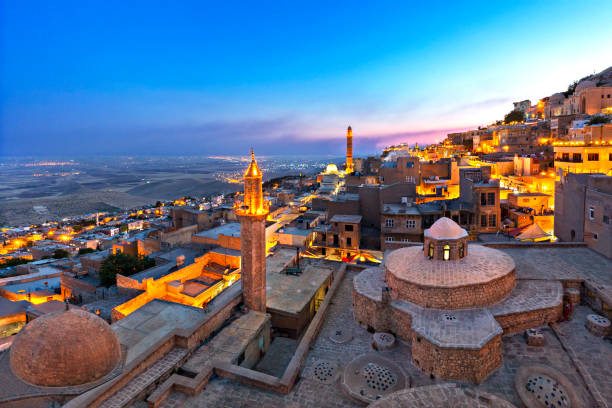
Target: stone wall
<point x="517" y="322"/>
<point x="458" y="364"/>
<point x="478" y="294"/>
<point x="454" y="245"/>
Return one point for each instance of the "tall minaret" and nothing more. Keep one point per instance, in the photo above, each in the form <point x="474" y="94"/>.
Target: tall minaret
<point x="349" y="151"/>
<point x="252" y="213"/>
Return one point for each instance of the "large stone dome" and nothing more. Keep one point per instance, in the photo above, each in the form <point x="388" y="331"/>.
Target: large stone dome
<point x="585" y="85"/>
<point x="445" y="228"/>
<point x="66" y="348"/>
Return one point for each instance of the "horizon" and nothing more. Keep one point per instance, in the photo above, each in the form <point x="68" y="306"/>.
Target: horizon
<point x="286" y="80"/>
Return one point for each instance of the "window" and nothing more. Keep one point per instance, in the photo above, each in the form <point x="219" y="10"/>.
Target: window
<point x="388" y="239"/>
<point x="483" y="198"/>
<point x="461" y="250"/>
<point x="610" y="156"/>
<point x="565" y="156"/>
<point x="410" y="224"/>
<point x="404" y="240"/>
<point x="446" y="252"/>
<point x="348" y="227"/>
<point x="591" y="213"/>
<point x="595" y="236"/>
<point x="410" y="179"/>
<point x="389" y="223"/>
<point x="483" y="220"/>
<point x="492" y="220"/>
<point x="431" y="249"/>
<point x="410" y="165"/>
<point x="606" y="219"/>
<point x="593" y="156"/>
<point x="491" y="199"/>
<point x="348" y="241"/>
<point x="576" y="157"/>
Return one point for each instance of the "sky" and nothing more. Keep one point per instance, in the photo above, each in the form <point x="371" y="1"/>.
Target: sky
<point x="283" y="77"/>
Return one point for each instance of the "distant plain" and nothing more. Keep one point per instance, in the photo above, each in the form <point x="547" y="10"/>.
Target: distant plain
<point x="35" y="190"/>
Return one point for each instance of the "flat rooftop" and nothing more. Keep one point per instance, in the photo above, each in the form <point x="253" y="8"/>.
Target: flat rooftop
<point x="231" y="229"/>
<point x="33" y="286"/>
<point x="289" y="293"/>
<point x="561" y="263"/>
<point x="9" y="308"/>
<point x="295" y="231"/>
<point x="143" y="328"/>
<point x="395" y="209"/>
<point x="351" y="219"/>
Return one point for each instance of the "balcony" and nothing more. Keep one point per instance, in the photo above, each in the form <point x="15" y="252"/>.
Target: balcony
<point x="568" y="160"/>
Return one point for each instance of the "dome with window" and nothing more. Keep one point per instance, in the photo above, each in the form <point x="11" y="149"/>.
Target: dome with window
<point x="445" y="240"/>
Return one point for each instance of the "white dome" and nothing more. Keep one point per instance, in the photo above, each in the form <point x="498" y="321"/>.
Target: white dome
<point x="331" y="168"/>
<point x="445" y="228"/>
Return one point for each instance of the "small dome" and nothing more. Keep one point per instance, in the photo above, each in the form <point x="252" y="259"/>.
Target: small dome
<point x="66" y="348"/>
<point x="445" y="228"/>
<point x="557" y="98"/>
<point x="585" y="85"/>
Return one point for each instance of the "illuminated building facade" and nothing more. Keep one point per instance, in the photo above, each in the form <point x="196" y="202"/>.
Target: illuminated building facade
<point x="252" y="213"/>
<point x="349" y="151"/>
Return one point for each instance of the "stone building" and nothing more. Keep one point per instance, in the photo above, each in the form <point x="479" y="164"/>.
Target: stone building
<point x="452" y="301"/>
<point x="583" y="210"/>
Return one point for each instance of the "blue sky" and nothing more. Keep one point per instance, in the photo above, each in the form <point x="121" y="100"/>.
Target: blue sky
<point x="284" y="77"/>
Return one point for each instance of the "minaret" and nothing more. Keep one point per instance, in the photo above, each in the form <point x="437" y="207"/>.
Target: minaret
<point x="349" y="151"/>
<point x="252" y="213"/>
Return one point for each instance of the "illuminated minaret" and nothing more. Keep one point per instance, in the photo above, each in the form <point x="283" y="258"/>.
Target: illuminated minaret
<point x="349" y="151"/>
<point x="252" y="213"/>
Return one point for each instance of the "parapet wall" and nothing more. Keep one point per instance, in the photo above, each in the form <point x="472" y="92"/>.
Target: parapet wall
<point x="454" y="363"/>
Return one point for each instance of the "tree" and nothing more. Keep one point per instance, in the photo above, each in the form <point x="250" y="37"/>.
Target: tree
<point x="514" y="116"/>
<point x="570" y="89"/>
<point x="13" y="262"/>
<point x="60" y="253"/>
<point x="598" y="119"/>
<point x="83" y="251"/>
<point x="123" y="264"/>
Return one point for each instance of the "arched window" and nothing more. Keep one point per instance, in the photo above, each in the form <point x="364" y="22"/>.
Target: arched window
<point x="446" y="252"/>
<point x="431" y="247"/>
<point x="461" y="250"/>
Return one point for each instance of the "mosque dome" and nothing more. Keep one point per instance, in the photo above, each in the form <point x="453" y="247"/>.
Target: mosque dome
<point x="445" y="228"/>
<point x="556" y="98"/>
<point x="331" y="168"/>
<point x="66" y="348"/>
<point x="585" y="85"/>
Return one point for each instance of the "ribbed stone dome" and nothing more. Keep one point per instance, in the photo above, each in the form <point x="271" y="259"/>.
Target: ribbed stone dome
<point x="557" y="98"/>
<point x="585" y="85"/>
<point x="445" y="228"/>
<point x="66" y="348"/>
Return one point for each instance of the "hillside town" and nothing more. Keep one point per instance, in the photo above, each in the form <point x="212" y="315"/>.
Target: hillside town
<point x="434" y="269"/>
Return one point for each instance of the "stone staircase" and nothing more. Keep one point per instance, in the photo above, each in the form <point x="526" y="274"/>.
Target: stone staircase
<point x="145" y="382"/>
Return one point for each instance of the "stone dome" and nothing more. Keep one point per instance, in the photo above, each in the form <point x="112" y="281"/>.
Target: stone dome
<point x="556" y="99"/>
<point x="585" y="85"/>
<point x="66" y="348"/>
<point x="445" y="228"/>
